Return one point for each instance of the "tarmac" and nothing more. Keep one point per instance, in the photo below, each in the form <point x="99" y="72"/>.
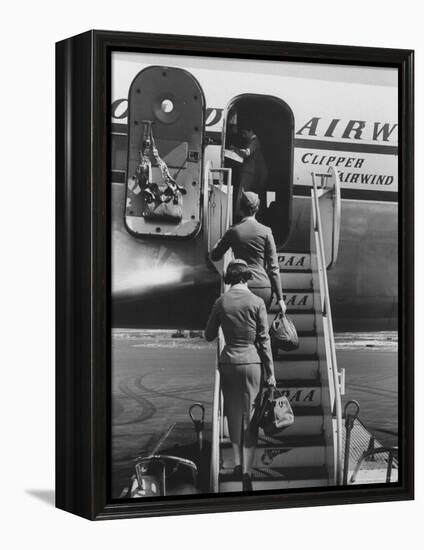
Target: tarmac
<point x="155" y="379"/>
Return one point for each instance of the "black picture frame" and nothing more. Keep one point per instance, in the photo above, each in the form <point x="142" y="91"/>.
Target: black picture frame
<point x="83" y="271"/>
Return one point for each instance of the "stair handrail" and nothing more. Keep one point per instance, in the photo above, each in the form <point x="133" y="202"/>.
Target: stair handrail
<point x="218" y="405"/>
<point x="334" y="378"/>
<point x="207" y="196"/>
<point x="336" y="198"/>
<point x="336" y="217"/>
<point x="216" y="431"/>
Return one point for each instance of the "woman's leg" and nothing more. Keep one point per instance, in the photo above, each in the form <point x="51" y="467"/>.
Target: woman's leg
<point x="241" y="385"/>
<point x="248" y="456"/>
<point x="237" y="454"/>
<point x="231" y="388"/>
<point x="250" y="433"/>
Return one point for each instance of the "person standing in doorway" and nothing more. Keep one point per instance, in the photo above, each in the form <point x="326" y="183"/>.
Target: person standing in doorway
<point x="254" y="172"/>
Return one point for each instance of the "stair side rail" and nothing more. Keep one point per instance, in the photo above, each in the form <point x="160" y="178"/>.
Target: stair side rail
<point x="217" y="204"/>
<point x="225" y="221"/>
<point x="328" y="188"/>
<point x="325" y="307"/>
<point x="374" y="447"/>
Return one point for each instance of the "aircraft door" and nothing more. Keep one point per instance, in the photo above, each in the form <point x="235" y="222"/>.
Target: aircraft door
<point x="166" y="113"/>
<point x="264" y="126"/>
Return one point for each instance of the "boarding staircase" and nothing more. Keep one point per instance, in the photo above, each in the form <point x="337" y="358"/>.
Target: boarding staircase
<point x="308" y="453"/>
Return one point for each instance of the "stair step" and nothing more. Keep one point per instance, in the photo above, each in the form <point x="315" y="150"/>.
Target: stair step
<point x="301" y="333"/>
<point x="307" y="346"/>
<point x="296" y="370"/>
<point x="294" y="261"/>
<point x="273" y="485"/>
<point x="268" y="479"/>
<point x="296" y="279"/>
<point x="283" y="438"/>
<point x="308" y="422"/>
<point x="269" y="474"/>
<point x="317" y="410"/>
<point x="303" y="321"/>
<point x="283" y="456"/>
<point x="296" y="301"/>
<point x="283" y="384"/>
<point x="281" y="356"/>
<point x="303" y="426"/>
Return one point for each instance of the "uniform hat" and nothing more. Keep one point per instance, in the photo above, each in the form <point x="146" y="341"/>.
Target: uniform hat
<point x="237" y="271"/>
<point x="237" y="261"/>
<point x="250" y="200"/>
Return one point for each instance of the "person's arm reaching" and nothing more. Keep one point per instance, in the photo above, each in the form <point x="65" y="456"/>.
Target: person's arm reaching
<point x="263" y="344"/>
<point x="212" y="326"/>
<point x="248" y="151"/>
<point x="244" y="153"/>
<point x="271" y="260"/>
<point x="221" y="247"/>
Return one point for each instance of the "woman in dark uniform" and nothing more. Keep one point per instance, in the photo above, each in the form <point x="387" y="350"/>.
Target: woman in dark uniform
<point x="243" y="318"/>
<point x="254" y="243"/>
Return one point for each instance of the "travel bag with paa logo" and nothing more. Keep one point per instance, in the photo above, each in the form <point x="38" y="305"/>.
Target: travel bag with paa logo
<point x="275" y="413"/>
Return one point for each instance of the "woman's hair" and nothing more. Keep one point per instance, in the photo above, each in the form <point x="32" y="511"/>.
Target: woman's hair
<point x="249" y="206"/>
<point x="237" y="272"/>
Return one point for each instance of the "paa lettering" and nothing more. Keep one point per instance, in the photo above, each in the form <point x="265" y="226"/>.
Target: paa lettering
<point x="293" y="261"/>
<point x="296" y="300"/>
<point x="297" y="396"/>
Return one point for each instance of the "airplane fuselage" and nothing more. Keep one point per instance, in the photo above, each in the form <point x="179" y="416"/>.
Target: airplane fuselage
<point x="164" y="282"/>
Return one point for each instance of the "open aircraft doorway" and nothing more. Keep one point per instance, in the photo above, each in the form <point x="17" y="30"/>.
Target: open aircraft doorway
<point x="270" y="174"/>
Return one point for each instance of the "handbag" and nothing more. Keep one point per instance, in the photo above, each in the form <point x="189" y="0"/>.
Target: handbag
<point x="275" y="412"/>
<point x="283" y="333"/>
<point x="162" y="201"/>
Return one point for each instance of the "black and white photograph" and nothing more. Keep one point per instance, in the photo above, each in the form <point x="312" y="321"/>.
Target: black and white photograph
<point x="254" y="275"/>
<point x="211" y="236"/>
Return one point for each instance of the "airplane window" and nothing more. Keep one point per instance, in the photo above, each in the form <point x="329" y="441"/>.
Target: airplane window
<point x="167" y="106"/>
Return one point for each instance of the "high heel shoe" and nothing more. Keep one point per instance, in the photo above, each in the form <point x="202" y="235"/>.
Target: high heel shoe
<point x="247" y="482"/>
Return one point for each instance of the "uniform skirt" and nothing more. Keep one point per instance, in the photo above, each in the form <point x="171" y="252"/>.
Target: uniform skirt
<point x="241" y="386"/>
<point x="262" y="292"/>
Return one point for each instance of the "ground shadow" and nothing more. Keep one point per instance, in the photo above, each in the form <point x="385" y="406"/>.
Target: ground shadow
<point x="45" y="495"/>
